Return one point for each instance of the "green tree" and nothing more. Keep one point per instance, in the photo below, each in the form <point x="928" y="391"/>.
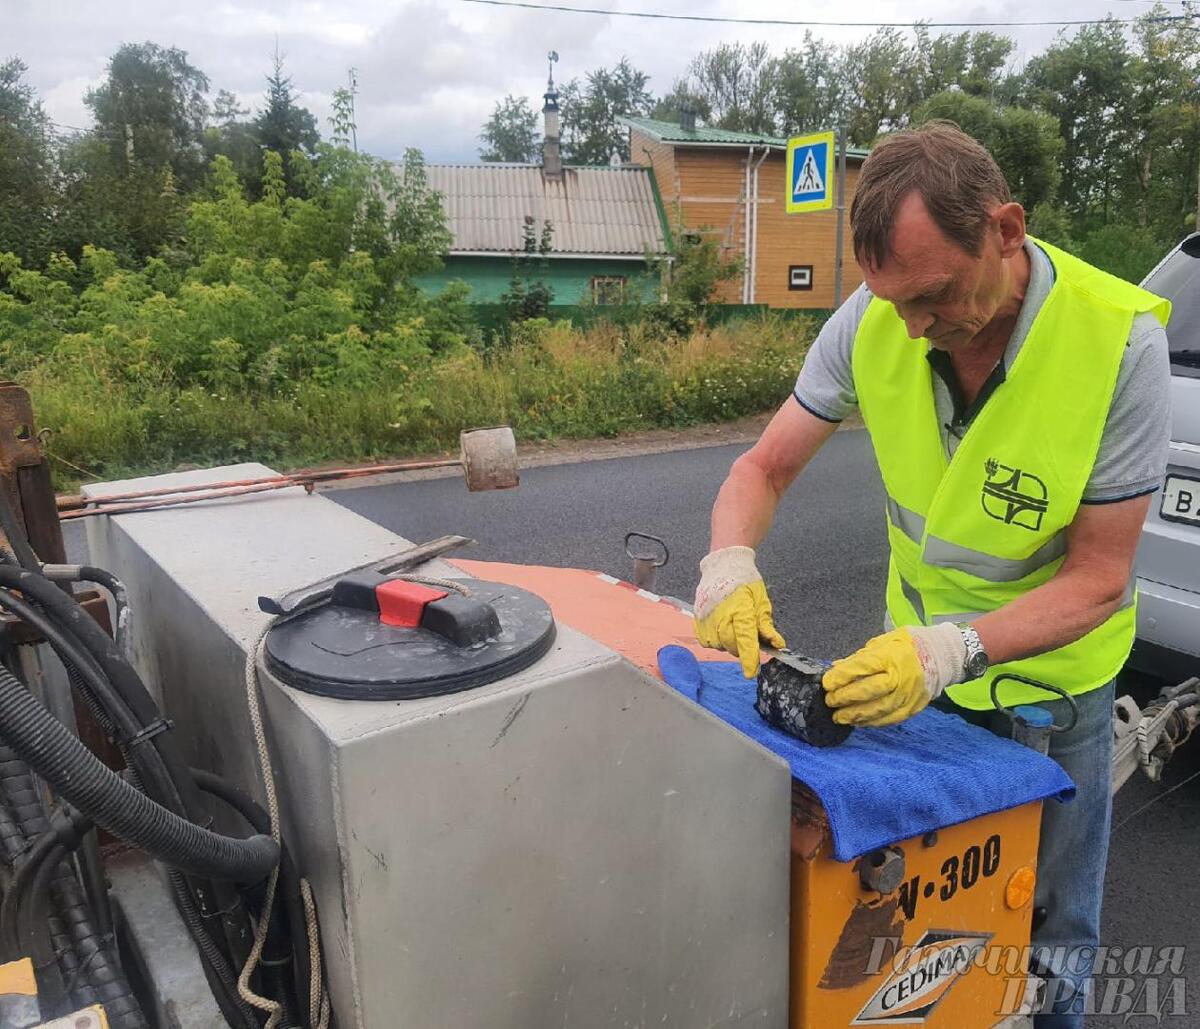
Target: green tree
<point x="1161" y="130"/>
<point x="510" y="133"/>
<point x="1081" y="81"/>
<point x="811" y="93"/>
<point x="151" y="111"/>
<point x="882" y="75"/>
<point x="972" y="62"/>
<point x="737" y="84"/>
<point x="528" y="296"/>
<point x="1025" y="143"/>
<point x="283" y="125"/>
<point x="231" y="135"/>
<point x="590" y="110"/>
<point x="26" y="168"/>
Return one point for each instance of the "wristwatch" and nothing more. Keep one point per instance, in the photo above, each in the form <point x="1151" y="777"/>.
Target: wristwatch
<point x="977" y="661"/>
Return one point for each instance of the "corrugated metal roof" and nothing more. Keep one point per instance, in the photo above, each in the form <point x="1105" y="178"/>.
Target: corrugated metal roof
<point x="601" y="210"/>
<point x="670" y="132"/>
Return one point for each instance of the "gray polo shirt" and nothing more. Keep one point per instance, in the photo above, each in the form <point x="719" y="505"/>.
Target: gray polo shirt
<point x="1133" y="450"/>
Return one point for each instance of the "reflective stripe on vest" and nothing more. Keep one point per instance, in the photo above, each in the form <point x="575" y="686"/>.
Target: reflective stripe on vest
<point x="944" y="554"/>
<point x="970" y="533"/>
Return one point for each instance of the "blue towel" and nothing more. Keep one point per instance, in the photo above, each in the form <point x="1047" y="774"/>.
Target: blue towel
<point x="882" y="785"/>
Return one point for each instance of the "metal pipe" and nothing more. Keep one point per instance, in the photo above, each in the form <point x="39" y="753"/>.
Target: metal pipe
<point x="841" y="218"/>
<point x="74" y="502"/>
<point x="746" y="229"/>
<point x="754" y="225"/>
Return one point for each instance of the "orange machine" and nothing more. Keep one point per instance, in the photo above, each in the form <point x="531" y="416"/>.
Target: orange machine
<point x="931" y="931"/>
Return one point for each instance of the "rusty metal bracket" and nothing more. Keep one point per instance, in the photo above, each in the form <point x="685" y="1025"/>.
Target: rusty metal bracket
<point x="19" y="445"/>
<point x="25" y="474"/>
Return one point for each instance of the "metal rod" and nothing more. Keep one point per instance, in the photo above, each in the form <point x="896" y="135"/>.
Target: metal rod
<point x="841" y="218"/>
<point x="71" y="503"/>
<point x="192" y="498"/>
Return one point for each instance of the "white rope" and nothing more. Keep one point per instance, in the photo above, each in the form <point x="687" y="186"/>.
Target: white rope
<point x="272" y="1007"/>
<point x="318" y="1000"/>
<point x="429" y="580"/>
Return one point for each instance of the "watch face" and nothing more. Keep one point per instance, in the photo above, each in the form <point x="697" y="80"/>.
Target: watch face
<point x="977" y="664"/>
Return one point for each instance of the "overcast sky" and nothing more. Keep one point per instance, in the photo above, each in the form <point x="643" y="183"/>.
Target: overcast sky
<point x="429" y="71"/>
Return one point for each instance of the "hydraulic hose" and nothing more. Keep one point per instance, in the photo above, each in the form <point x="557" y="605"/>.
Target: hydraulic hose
<point x="78" y="776"/>
<point x="105" y="578"/>
<point x="289" y="880"/>
<point x="17" y="539"/>
<point x="116" y="696"/>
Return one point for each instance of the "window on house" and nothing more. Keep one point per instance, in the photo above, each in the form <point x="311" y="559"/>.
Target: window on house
<point x="800" y="276"/>
<point x="608" y="289"/>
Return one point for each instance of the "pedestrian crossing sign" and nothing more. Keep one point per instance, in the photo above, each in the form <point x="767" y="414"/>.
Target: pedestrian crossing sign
<point x="810" y="173"/>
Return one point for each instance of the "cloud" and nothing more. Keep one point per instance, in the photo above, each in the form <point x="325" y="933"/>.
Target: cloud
<point x="429" y="71"/>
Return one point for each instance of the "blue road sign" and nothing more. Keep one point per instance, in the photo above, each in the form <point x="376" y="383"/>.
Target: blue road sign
<point x="810" y="173"/>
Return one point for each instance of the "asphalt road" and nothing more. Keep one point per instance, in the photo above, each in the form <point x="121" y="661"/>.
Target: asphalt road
<point x="824" y="564"/>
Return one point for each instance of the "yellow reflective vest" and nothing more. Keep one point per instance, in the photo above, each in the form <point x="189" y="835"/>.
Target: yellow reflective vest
<point x="975" y="531"/>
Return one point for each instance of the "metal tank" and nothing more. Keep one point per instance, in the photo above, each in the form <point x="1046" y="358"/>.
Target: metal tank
<point x="571" y="845"/>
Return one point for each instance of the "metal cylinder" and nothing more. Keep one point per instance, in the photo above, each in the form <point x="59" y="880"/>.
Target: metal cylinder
<point x="489" y="458"/>
<point x="1033" y="726"/>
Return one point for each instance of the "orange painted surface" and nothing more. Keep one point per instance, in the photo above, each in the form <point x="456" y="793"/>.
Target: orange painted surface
<point x="954" y="888"/>
<point x="633" y="625"/>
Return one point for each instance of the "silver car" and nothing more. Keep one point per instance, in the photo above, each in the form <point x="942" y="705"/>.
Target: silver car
<point x="1168" y="557"/>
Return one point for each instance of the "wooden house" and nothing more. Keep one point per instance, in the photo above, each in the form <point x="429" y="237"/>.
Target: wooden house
<point x="732" y="185"/>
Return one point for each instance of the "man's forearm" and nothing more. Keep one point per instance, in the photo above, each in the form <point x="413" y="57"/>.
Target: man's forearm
<point x="1058" y="612"/>
<point x="745" y="507"/>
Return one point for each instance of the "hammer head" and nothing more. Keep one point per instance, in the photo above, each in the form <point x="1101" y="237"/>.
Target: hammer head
<point x="790" y="699"/>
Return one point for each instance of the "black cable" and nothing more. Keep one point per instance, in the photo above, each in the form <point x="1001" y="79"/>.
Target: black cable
<point x="122" y="696"/>
<point x="17" y="538"/>
<point x="220" y="976"/>
<point x="21" y="881"/>
<point x="100" y="577"/>
<point x="105" y="704"/>
<point x="81" y="779"/>
<point x="88" y="959"/>
<point x="284" y="923"/>
<point x="33" y="930"/>
<point x="166" y="778"/>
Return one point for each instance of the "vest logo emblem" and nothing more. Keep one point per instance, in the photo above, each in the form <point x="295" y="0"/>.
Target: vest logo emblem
<point x="1013" y="496"/>
<point x="926" y="974"/>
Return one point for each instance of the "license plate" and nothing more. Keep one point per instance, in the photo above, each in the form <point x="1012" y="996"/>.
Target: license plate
<point x="1181" y="500"/>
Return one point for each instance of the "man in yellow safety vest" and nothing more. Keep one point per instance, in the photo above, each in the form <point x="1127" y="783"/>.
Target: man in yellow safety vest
<point x="1019" y="439"/>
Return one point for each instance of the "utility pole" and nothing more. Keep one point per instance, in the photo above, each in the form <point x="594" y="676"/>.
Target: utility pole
<point x="841" y="218"/>
<point x="353" y="119"/>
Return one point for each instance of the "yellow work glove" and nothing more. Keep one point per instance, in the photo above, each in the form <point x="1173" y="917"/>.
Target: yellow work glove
<point x="895" y="675"/>
<point x="732" y="610"/>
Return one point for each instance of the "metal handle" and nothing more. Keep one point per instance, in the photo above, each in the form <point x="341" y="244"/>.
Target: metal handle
<point x="656" y="560"/>
<point x="1063" y="694"/>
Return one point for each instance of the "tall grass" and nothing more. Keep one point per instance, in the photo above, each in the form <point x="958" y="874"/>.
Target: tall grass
<point x="554" y="382"/>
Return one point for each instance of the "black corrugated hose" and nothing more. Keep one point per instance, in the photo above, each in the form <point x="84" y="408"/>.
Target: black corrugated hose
<point x="87" y="959"/>
<point x="80" y="778"/>
<point x="151" y="756"/>
<point x="146" y="765"/>
<point x="112" y="689"/>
